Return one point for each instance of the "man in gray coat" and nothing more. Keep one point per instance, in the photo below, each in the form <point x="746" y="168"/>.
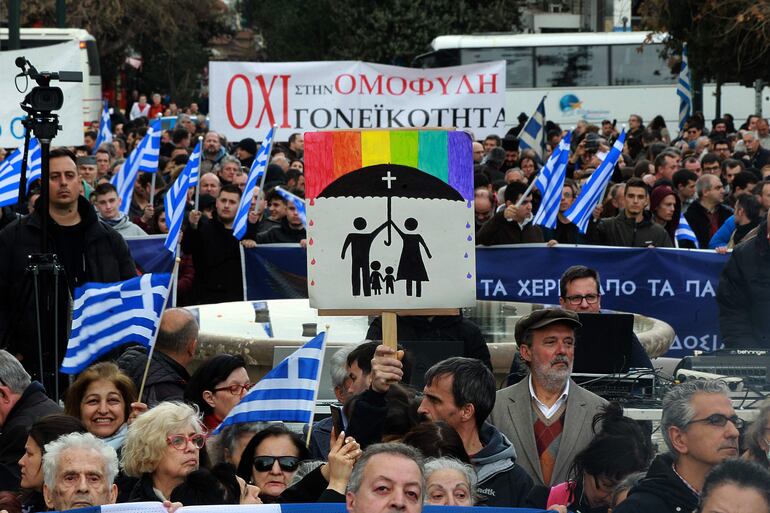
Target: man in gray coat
<point x="547" y="416"/>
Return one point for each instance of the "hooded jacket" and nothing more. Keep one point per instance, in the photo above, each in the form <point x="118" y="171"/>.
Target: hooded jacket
<point x="661" y="491"/>
<point x="623" y="231"/>
<point x="125" y="227"/>
<point x="166" y="379"/>
<point x="502" y="483"/>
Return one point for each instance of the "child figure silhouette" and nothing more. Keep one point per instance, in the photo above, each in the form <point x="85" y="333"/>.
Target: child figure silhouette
<point x="376" y="278"/>
<point x="390" y="280"/>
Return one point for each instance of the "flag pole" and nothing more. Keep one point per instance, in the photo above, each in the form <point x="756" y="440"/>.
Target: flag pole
<point x="155" y="335"/>
<point x="175" y="276"/>
<point x="317" y="384"/>
<point x="529" y="189"/>
<point x="261" y="194"/>
<point x="198" y="184"/>
<point x="152" y="183"/>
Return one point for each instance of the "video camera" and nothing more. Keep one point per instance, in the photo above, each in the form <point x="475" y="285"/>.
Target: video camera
<point x="44" y="98"/>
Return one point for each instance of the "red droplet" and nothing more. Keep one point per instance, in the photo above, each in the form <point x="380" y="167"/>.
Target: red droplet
<point x="312" y="202"/>
<point x="312" y="283"/>
<point x="312" y="262"/>
<point x="311" y="223"/>
<point x="310" y="242"/>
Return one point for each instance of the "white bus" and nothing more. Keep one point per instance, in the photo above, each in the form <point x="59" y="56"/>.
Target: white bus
<point x="586" y="75"/>
<point x="89" y="61"/>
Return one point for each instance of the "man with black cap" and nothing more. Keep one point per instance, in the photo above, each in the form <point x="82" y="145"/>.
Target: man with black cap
<point x="548" y="416"/>
<point x="245" y="151"/>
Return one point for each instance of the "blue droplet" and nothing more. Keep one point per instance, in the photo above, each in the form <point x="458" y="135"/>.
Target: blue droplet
<point x="468" y="276"/>
<point x="470" y="238"/>
<point x="467" y="225"/>
<point x="469" y="204"/>
<point x="466" y="255"/>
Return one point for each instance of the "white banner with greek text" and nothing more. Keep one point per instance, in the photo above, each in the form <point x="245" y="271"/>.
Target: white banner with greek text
<point x="247" y="98"/>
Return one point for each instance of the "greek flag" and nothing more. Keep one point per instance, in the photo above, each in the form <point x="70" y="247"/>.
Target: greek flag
<point x="105" y="129"/>
<point x="176" y="199"/>
<point x="550" y="182"/>
<point x="108" y="315"/>
<point x="532" y="135"/>
<point x="298" y="202"/>
<point x="684" y="90"/>
<point x="581" y="210"/>
<point x="287" y="393"/>
<point x="143" y="158"/>
<point x="10" y="172"/>
<point x="255" y="174"/>
<point x="684" y="232"/>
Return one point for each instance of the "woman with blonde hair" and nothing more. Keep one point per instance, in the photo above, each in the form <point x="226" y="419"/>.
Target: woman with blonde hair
<point x="162" y="447"/>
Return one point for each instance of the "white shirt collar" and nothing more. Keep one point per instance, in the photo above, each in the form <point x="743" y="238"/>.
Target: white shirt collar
<point x="549" y="411"/>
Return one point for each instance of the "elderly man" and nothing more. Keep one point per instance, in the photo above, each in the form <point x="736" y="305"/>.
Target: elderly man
<point x="547" y="416"/>
<point x="22" y="402"/>
<point x="213" y="152"/>
<point x="210" y="184"/>
<point x="759" y="157"/>
<point x="387" y="478"/>
<point x="700" y="429"/>
<point x="79" y="472"/>
<point x="708" y="214"/>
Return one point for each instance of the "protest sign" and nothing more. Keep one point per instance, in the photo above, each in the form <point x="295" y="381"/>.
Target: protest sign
<point x="249" y="97"/>
<point x="390" y="219"/>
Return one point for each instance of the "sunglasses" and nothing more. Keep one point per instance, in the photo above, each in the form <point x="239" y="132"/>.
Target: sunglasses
<point x="265" y="463"/>
<point x="179" y="442"/>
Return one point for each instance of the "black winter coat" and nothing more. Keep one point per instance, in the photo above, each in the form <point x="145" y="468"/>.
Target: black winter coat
<point x="623" y="231"/>
<point x="217" y="259"/>
<point x="698" y="220"/>
<point x="32" y="405"/>
<point x="166" y="379"/>
<point x="282" y="234"/>
<point x="661" y="491"/>
<point x="105" y="259"/>
<point x="743" y="295"/>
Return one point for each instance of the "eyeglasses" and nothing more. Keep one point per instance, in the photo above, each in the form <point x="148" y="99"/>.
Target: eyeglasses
<point x="235" y="389"/>
<point x="719" y="420"/>
<point x="591" y="299"/>
<point x="265" y="463"/>
<point x="179" y="442"/>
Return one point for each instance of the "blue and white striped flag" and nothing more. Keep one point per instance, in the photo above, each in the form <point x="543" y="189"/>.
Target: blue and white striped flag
<point x="287" y="393"/>
<point x="684" y="90"/>
<point x="10" y="172"/>
<point x="108" y="315"/>
<point x="176" y="199"/>
<point x="550" y="182"/>
<point x="298" y="202"/>
<point x="532" y="135"/>
<point x="582" y="209"/>
<point x="255" y="174"/>
<point x="684" y="232"/>
<point x="143" y="158"/>
<point x="105" y="129"/>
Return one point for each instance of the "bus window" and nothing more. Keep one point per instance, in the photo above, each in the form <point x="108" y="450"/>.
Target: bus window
<point x="518" y="66"/>
<point x="630" y="66"/>
<point x="437" y="59"/>
<point x="571" y="66"/>
<point x="94" y="69"/>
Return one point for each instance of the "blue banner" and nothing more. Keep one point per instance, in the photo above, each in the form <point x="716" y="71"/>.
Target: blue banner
<point x="677" y="286"/>
<point x="150" y="255"/>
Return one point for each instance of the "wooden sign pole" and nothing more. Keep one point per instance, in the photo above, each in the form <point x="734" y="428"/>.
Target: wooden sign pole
<point x="390" y="330"/>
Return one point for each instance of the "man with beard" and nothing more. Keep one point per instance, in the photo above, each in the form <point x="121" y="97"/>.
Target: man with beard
<point x="215" y="251"/>
<point x="547" y="416"/>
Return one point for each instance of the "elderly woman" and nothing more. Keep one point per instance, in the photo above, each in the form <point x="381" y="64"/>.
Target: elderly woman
<point x="162" y="447"/>
<point x="758" y="438"/>
<point x="217" y="386"/>
<point x="449" y="482"/>
<point x="42" y="432"/>
<point x="101" y="397"/>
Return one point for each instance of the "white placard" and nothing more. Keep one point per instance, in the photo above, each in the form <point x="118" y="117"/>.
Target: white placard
<point x="249" y="97"/>
<point x="54" y="58"/>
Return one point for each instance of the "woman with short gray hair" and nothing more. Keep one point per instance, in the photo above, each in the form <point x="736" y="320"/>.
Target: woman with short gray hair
<point x="449" y="482"/>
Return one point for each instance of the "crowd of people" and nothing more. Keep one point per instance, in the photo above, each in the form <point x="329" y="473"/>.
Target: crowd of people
<point x="542" y="441"/>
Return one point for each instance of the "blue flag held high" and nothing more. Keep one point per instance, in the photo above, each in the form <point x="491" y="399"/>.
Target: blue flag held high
<point x="10" y="172"/>
<point x="684" y="90"/>
<point x="592" y="192"/>
<point x="684" y="232"/>
<point x="255" y="174"/>
<point x="176" y="198"/>
<point x="286" y="393"/>
<point x="142" y="158"/>
<point x="108" y="315"/>
<point x="105" y="129"/>
<point x="550" y="182"/>
<point x="298" y="203"/>
<point x="532" y="135"/>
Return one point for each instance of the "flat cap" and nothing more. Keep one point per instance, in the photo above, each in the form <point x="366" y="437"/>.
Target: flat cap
<point x="541" y="318"/>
